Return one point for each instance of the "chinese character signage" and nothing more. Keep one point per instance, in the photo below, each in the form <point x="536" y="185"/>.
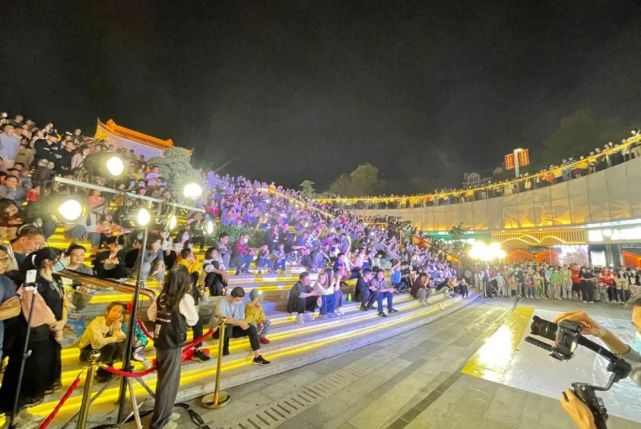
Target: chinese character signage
<point x="509" y="161"/>
<point x="523" y="159"/>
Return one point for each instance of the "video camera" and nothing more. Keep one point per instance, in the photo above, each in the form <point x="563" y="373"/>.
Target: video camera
<point x="567" y="336"/>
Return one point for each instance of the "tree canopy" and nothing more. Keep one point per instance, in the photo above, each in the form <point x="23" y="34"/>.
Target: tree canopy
<point x="578" y="134"/>
<point x="363" y="180"/>
<point x="175" y="166"/>
<point x="307" y="188"/>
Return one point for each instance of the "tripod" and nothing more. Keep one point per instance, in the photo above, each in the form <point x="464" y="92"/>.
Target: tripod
<point x="26" y="352"/>
<point x="88" y="400"/>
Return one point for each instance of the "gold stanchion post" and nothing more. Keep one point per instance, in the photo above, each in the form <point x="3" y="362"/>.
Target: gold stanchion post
<point x="94" y="358"/>
<point x="219" y="398"/>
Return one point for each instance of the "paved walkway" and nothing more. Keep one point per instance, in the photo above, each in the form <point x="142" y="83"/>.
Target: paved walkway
<point x="413" y="381"/>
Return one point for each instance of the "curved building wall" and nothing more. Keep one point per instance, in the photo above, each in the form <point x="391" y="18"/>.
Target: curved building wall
<point x="612" y="194"/>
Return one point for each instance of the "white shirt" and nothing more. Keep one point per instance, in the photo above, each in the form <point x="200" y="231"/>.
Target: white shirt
<point x="186" y="307"/>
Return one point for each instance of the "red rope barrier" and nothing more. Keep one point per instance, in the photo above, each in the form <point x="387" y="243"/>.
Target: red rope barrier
<point x="144" y="330"/>
<point x="122" y="373"/>
<point x="189" y="345"/>
<point x="194" y="343"/>
<point x="117" y="372"/>
<point x="64" y="398"/>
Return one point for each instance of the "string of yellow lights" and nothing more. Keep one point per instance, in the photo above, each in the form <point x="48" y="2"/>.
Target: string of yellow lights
<point x="416" y="199"/>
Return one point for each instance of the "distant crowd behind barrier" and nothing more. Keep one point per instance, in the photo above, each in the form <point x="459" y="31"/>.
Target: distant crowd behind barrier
<point x="614" y="285"/>
<point x="601" y="158"/>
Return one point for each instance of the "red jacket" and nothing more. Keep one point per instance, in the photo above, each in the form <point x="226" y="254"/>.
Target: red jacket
<point x="241" y="248"/>
<point x="576" y="279"/>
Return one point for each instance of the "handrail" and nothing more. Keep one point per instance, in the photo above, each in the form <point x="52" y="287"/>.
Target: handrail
<point x="307" y="205"/>
<point x="105" y="283"/>
<point x="497" y="185"/>
<point x="105" y="189"/>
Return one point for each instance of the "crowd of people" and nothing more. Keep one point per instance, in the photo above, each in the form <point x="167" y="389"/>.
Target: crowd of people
<point x="569" y="282"/>
<point x="600" y="158"/>
<point x="262" y="228"/>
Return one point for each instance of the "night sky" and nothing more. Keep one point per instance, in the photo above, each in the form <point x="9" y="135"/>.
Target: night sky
<point x="288" y="90"/>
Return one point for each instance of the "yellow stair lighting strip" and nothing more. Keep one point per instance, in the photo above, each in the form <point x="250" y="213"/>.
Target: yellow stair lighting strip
<point x="70" y="355"/>
<point x="191" y="376"/>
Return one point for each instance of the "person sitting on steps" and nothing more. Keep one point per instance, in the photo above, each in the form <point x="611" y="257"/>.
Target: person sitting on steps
<point x="104" y="333"/>
<point x="302" y="298"/>
<point x="232" y="309"/>
<point x="383" y="291"/>
<point x="362" y="293"/>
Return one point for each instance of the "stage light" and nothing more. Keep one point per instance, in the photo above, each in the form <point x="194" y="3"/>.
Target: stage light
<point x="115" y="166"/>
<point x="173" y="222"/>
<point x="106" y="164"/>
<point x="192" y="191"/>
<point x="143" y="217"/>
<point x="70" y="209"/>
<point x="209" y="227"/>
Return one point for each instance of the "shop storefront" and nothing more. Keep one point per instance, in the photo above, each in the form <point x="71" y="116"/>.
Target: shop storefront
<point x="606" y="244"/>
<point x="615" y="245"/>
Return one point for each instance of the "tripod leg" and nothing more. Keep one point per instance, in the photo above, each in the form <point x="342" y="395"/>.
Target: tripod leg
<point x="134" y="404"/>
<point x="146" y="387"/>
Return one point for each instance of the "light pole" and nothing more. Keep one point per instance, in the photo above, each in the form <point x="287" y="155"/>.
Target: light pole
<point x="516" y="161"/>
<point x="72" y="209"/>
<point x="143" y="217"/>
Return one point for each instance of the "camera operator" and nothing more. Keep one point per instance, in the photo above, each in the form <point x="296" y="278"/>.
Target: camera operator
<point x="571" y="404"/>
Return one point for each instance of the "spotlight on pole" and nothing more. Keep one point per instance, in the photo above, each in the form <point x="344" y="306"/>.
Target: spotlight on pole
<point x="70" y="209"/>
<point x="173" y="222"/>
<point x="142" y="216"/>
<point x="106" y="164"/>
<point x="192" y="191"/>
<point x="115" y="166"/>
<point x="209" y="227"/>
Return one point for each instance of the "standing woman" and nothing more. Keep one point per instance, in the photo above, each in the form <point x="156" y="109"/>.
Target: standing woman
<point x="587" y="285"/>
<point x="622" y="286"/>
<point x="43" y="368"/>
<point x="8" y="299"/>
<point x="537" y="282"/>
<point x="172" y="312"/>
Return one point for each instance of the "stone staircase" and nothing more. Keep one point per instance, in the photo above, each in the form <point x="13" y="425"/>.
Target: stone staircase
<point x="292" y="345"/>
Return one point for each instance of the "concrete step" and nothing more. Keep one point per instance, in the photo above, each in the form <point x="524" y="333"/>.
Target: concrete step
<point x="282" y="326"/>
<point x="275" y="292"/>
<point x="292" y="346"/>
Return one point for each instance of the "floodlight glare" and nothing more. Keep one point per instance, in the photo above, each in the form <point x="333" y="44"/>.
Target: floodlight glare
<point x="192" y="191"/>
<point x="485" y="252"/>
<point x="70" y="209"/>
<point x="106" y="164"/>
<point x="173" y="222"/>
<point x="209" y="227"/>
<point x="143" y="217"/>
<point x="115" y="166"/>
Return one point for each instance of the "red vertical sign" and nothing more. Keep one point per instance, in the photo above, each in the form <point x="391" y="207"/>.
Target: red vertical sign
<point x="524" y="158"/>
<point x="509" y="161"/>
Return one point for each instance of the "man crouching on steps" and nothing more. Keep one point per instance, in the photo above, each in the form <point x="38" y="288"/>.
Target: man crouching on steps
<point x="232" y="309"/>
